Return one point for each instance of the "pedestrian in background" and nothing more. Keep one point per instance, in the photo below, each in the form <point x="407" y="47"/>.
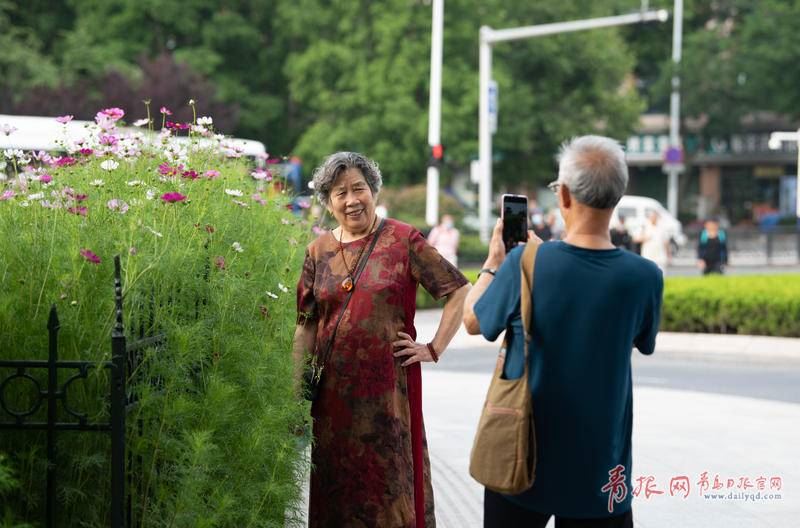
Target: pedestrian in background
<point x="619" y="234"/>
<point x="592" y="303"/>
<point x="540" y="228"/>
<point x="445" y="238"/>
<point x="655" y="242"/>
<point x="712" y="248"/>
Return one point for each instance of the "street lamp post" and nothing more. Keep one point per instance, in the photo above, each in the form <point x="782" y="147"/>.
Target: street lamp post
<point x="775" y="140"/>
<point x="489" y="37"/>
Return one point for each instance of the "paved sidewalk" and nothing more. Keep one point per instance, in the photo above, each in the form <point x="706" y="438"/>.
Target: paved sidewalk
<point x="676" y="433"/>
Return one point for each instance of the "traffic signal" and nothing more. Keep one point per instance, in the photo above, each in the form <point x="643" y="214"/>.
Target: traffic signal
<point x="437" y="154"/>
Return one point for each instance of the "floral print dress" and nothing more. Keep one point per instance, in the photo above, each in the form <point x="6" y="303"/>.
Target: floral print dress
<point x="370" y="458"/>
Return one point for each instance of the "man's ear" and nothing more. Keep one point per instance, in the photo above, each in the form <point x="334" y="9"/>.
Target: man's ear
<point x="566" y="199"/>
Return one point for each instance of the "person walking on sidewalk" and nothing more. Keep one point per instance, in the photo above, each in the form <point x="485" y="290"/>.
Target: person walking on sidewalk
<point x="712" y="248"/>
<point x="445" y="237"/>
<point x="592" y="303"/>
<point x="369" y="455"/>
<point x="655" y="241"/>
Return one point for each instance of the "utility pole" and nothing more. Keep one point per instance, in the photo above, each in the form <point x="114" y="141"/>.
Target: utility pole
<point x="489" y="37"/>
<point x="435" y="114"/>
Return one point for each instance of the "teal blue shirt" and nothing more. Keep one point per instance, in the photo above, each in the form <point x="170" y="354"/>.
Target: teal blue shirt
<point x="590" y="308"/>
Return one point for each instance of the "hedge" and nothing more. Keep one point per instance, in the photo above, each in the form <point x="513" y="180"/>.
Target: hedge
<point x="745" y="304"/>
<point x="209" y="257"/>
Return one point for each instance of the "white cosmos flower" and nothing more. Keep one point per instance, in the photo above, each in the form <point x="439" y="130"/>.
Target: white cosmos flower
<point x="270" y="294"/>
<point x="151" y="193"/>
<point x="36" y="196"/>
<point x="283" y="288"/>
<point x="237" y="247"/>
<point x="141" y="122"/>
<point x="109" y="165"/>
<point x="204" y="121"/>
<point x="97" y="183"/>
<point x="134" y="183"/>
<point x="234" y="192"/>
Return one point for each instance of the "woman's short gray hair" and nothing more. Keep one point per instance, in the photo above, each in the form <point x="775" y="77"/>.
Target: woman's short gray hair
<point x="335" y="164"/>
<point x="594" y="170"/>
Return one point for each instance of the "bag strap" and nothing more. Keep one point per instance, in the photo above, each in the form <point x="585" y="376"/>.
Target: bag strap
<point x="360" y="267"/>
<point x="527" y="262"/>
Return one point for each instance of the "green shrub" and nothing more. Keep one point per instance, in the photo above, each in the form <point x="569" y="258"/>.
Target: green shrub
<point x="747" y="304"/>
<point x="754" y="305"/>
<point x="211" y="435"/>
<point x="407" y="204"/>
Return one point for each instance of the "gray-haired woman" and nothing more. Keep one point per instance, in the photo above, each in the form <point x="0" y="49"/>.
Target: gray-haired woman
<point x="370" y="460"/>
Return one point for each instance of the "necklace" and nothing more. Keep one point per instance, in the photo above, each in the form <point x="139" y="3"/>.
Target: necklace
<point x="347" y="283"/>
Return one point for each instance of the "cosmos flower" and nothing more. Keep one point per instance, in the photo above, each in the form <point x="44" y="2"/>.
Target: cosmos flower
<point x="172" y="197"/>
<point x="90" y="256"/>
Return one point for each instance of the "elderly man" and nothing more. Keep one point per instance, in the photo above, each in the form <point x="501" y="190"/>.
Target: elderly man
<point x="592" y="303"/>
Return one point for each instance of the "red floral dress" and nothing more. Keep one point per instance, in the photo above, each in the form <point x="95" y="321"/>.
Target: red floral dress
<point x="370" y="457"/>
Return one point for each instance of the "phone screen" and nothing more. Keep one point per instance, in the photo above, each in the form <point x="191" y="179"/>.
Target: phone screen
<point x="515" y="220"/>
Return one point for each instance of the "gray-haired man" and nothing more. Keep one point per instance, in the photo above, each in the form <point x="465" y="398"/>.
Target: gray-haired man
<point x="592" y="303"/>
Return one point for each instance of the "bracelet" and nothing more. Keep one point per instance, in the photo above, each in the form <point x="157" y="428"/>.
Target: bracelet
<point x="491" y="271"/>
<point x="434" y="355"/>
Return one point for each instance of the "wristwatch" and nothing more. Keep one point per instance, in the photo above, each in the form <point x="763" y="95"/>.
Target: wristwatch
<point x="491" y="271"/>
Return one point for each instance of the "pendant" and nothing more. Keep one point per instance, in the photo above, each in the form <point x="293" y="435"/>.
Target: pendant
<point x="347" y="284"/>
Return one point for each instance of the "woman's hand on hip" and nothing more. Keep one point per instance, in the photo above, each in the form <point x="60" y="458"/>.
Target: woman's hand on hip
<point x="407" y="347"/>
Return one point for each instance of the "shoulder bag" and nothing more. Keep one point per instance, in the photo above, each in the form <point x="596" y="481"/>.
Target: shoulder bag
<point x="503" y="454"/>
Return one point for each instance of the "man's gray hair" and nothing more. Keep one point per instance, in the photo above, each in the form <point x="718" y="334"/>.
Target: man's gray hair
<point x="336" y="164"/>
<point x="594" y="170"/>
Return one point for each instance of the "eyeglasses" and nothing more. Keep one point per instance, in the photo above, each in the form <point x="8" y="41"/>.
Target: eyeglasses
<point x="554" y="185"/>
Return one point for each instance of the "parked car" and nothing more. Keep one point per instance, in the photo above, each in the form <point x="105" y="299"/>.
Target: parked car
<point x="636" y="210"/>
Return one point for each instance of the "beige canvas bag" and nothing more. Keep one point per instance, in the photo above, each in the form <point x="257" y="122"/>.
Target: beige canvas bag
<point x="503" y="455"/>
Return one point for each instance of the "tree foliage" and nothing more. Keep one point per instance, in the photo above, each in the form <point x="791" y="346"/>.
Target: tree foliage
<point x="312" y="76"/>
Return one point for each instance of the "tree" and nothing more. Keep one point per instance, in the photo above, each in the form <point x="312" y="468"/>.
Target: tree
<point x="359" y="71"/>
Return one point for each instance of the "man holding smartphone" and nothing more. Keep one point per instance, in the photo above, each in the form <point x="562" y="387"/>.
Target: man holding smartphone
<point x="592" y="303"/>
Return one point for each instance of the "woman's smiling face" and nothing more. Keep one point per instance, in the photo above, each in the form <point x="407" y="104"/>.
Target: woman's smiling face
<point x="352" y="202"/>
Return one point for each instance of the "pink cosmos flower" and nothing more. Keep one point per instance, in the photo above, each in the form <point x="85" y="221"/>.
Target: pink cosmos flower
<point x="172" y="197"/>
<point x="262" y="175"/>
<point x="273" y="161"/>
<point x="7" y="195"/>
<point x="212" y="173"/>
<point x="45" y="178"/>
<point x="168" y="170"/>
<point x="86" y="152"/>
<point x="81" y="210"/>
<point x="64" y="119"/>
<point x="258" y="199"/>
<point x="190" y="174"/>
<point x="65" y="161"/>
<point x="166" y="111"/>
<point x="90" y="256"/>
<point x="219" y="262"/>
<point x="177" y="126"/>
<point x="117" y="205"/>
<point x="112" y="114"/>
<point x="110" y="140"/>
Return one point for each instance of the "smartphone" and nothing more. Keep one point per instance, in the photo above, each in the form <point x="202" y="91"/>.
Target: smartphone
<point x="514" y="209"/>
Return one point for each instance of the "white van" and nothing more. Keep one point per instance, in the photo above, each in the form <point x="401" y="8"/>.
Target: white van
<point x="34" y="133"/>
<point x="636" y="210"/>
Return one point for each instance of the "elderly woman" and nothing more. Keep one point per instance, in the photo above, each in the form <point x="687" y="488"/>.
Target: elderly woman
<point x="370" y="459"/>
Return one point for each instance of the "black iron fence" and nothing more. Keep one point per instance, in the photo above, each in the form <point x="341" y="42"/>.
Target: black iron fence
<point x="125" y="356"/>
